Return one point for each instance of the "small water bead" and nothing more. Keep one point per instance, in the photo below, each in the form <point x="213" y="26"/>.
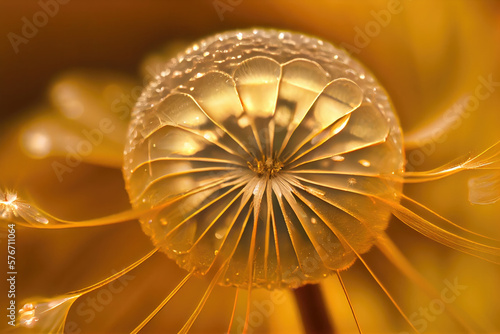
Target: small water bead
<point x="42" y="220"/>
<point x="210" y="136"/>
<point x="243" y="121"/>
<point x="364" y="163"/>
<point x="29" y="321"/>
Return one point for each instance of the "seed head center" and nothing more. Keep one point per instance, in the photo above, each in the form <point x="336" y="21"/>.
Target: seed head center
<point x="267" y="166"/>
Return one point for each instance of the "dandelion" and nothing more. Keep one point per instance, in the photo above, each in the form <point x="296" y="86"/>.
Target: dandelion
<point x="273" y="164"/>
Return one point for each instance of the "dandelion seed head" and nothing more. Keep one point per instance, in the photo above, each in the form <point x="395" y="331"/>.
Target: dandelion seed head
<point x="270" y="182"/>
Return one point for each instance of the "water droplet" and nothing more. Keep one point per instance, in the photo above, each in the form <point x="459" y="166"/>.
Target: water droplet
<point x="257" y="188"/>
<point x="243" y="121"/>
<point x="42" y="220"/>
<point x="364" y="163"/>
<point x="29" y="322"/>
<point x="210" y="136"/>
<point x="338" y="158"/>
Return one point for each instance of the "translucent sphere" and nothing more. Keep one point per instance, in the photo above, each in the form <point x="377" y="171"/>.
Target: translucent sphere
<point x="267" y="155"/>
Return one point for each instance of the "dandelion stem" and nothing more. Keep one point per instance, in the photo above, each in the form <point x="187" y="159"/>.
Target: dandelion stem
<point x="313" y="310"/>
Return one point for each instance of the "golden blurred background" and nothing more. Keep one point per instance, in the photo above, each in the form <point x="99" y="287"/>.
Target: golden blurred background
<point x="426" y="53"/>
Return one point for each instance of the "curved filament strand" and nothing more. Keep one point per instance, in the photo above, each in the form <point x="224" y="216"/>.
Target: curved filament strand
<point x="161" y="305"/>
<point x="116" y="275"/>
<point x="34" y="217"/>
<point x="181" y="110"/>
<point x="484" y="189"/>
<point x="282" y="191"/>
<point x="251" y="256"/>
<point x="49" y="315"/>
<point x="226" y="239"/>
<point x="427" y="210"/>
<point x="338" y="99"/>
<point x="381" y="285"/>
<point x="345" y="241"/>
<point x="489" y="159"/>
<point x="204" y="299"/>
<point x="234" y="199"/>
<point x="424" y="227"/>
<point x="349" y="301"/>
<point x="233" y="312"/>
<point x="391" y="252"/>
